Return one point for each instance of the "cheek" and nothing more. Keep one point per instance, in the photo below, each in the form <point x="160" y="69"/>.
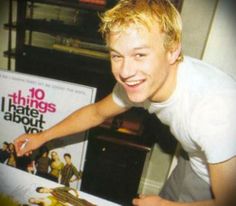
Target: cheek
<point x="115" y="70"/>
<point x="148" y="68"/>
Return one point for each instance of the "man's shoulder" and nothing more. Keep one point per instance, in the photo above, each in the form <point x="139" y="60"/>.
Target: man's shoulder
<point x="203" y="68"/>
<point x="74" y="167"/>
<point x="201" y="78"/>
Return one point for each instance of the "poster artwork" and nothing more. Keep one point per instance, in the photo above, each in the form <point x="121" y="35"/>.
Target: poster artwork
<point x="31" y="104"/>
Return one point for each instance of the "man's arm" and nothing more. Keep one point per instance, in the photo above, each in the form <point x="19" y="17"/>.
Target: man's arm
<point x="80" y="120"/>
<point x="77" y="174"/>
<point x="223" y="181"/>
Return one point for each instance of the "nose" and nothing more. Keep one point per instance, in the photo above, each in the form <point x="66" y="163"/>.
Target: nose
<point x="127" y="69"/>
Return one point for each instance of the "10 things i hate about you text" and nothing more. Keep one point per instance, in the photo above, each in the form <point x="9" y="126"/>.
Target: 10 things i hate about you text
<point x="28" y="110"/>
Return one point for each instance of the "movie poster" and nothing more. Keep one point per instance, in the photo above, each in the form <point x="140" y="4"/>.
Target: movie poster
<point x="30" y="104"/>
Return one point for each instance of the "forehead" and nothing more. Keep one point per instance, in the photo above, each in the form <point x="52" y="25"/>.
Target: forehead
<point x="134" y="35"/>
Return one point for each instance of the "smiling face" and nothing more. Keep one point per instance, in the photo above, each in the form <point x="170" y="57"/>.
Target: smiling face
<point x="141" y="64"/>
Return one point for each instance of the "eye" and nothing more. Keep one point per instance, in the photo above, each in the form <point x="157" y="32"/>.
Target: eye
<point x="115" y="57"/>
<point x="140" y="55"/>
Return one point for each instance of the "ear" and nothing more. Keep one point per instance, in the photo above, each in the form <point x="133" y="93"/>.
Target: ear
<point x="174" y="53"/>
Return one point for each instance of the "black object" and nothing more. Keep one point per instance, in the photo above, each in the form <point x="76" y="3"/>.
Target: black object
<point x="113" y="169"/>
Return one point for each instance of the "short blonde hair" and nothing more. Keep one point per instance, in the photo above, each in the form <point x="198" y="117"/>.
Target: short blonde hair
<point x="145" y="12"/>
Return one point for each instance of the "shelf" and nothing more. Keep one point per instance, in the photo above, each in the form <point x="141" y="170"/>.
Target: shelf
<point x="85" y="62"/>
<point x="30" y="52"/>
<point x="140" y="142"/>
<point x="81" y="51"/>
<point x="66" y="66"/>
<point x="73" y="4"/>
<point x="124" y="143"/>
<point x="58" y="28"/>
<point x="90" y="6"/>
<point x="11" y="53"/>
<point x="60" y="53"/>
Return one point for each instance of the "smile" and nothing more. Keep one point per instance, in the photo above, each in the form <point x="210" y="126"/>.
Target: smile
<point x="134" y="83"/>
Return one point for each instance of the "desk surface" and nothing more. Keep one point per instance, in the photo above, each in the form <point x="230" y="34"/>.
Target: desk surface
<point x="21" y="186"/>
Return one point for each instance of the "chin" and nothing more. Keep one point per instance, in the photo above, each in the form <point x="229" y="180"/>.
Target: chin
<point x="137" y="98"/>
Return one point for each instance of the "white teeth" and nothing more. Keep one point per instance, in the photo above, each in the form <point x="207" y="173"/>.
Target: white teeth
<point x="132" y="83"/>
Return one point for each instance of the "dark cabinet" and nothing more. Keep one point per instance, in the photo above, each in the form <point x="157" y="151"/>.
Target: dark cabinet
<point x="113" y="169"/>
<point x="115" y="156"/>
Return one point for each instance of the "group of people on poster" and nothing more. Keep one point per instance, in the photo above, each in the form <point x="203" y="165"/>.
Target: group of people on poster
<point x="46" y="164"/>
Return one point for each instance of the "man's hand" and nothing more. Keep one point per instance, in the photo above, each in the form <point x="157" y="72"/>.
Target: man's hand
<point x="148" y="200"/>
<point x="26" y="143"/>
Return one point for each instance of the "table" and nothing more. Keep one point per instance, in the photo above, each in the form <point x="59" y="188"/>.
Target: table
<point x="21" y="186"/>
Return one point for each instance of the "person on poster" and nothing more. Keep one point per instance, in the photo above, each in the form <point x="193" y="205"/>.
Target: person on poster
<point x="4" y="152"/>
<point x="42" y="163"/>
<point x="59" y="196"/>
<point x="12" y="159"/>
<point x="56" y="165"/>
<point x="68" y="171"/>
<point x="196" y="100"/>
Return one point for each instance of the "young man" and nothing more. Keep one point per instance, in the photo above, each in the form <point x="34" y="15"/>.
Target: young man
<point x="196" y="101"/>
<point x="68" y="171"/>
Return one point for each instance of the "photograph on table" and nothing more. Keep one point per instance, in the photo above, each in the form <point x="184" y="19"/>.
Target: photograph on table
<point x="20" y="188"/>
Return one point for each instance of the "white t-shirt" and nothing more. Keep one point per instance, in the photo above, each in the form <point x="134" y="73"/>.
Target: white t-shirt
<point x="201" y="113"/>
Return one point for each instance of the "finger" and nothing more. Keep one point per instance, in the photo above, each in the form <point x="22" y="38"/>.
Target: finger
<point x="17" y="145"/>
<point x="141" y="196"/>
<point x="24" y="151"/>
<point x="20" y="153"/>
<point x="135" y="201"/>
<point x="28" y="153"/>
<point x="23" y="148"/>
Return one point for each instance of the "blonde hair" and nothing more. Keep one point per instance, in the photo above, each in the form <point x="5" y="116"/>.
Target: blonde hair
<point x="145" y="12"/>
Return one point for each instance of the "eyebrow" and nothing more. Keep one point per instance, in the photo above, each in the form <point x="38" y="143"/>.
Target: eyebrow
<point x="136" y="48"/>
<point x="113" y="50"/>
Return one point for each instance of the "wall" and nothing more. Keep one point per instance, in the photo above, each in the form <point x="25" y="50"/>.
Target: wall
<point x="155" y="171"/>
<point x="221" y="45"/>
<point x="197" y="17"/>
